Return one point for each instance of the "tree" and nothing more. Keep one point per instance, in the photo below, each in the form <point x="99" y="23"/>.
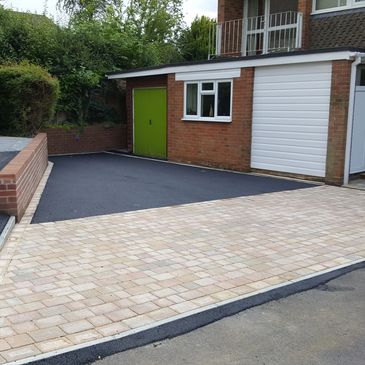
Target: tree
<point x="155" y="20"/>
<point x="102" y="36"/>
<point x="195" y="42"/>
<point x="89" y="9"/>
<point x="28" y="97"/>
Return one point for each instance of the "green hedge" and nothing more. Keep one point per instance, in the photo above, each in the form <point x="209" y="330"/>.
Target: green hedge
<point x="28" y="96"/>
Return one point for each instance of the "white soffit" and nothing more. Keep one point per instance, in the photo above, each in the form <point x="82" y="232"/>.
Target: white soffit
<point x="234" y="65"/>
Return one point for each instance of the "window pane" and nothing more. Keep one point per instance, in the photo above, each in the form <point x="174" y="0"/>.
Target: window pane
<point x="208" y="86"/>
<point x="327" y="4"/>
<point x="192" y="99"/>
<point x="362" y="77"/>
<point x="208" y="106"/>
<point x="224" y="99"/>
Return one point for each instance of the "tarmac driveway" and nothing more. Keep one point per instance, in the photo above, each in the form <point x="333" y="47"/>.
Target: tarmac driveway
<point x="98" y="184"/>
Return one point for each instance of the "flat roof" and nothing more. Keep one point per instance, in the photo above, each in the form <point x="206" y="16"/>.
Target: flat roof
<point x="343" y="53"/>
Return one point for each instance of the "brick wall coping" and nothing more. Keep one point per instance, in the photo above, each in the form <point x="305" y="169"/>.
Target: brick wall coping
<point x="16" y="166"/>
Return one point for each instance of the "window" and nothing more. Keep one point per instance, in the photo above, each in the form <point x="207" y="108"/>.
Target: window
<point x="208" y="100"/>
<point x="361" y="76"/>
<point x="192" y="99"/>
<point x="331" y="5"/>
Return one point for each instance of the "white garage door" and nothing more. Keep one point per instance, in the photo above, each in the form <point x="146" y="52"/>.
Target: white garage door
<point x="290" y="118"/>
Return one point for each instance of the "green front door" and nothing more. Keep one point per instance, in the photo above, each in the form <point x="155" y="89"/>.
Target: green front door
<point x="150" y="122"/>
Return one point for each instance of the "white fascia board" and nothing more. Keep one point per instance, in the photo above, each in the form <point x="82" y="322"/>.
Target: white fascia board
<point x="229" y="65"/>
<point x="209" y="75"/>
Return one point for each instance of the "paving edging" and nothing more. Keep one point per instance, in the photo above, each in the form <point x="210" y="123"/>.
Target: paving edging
<point x="6" y="231"/>
<point x="184" y="323"/>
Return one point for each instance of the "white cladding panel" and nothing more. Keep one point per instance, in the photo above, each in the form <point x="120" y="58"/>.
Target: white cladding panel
<point x="358" y="133"/>
<point x="290" y="118"/>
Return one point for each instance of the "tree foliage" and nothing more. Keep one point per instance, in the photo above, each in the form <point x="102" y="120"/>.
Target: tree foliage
<point x="89" y="9"/>
<point x="28" y="96"/>
<point x="195" y="42"/>
<point x="101" y="36"/>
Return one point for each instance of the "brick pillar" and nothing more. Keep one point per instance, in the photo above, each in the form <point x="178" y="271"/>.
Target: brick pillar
<point x="230" y="10"/>
<point x="305" y="7"/>
<point x="337" y="128"/>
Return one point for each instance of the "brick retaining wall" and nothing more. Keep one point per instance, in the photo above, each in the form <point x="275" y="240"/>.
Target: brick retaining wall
<point x="20" y="177"/>
<point x="93" y="138"/>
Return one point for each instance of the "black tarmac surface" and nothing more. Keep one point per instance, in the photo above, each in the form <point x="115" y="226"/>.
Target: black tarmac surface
<point x="6" y="157"/>
<point x="97" y="184"/>
<point x="323" y="326"/>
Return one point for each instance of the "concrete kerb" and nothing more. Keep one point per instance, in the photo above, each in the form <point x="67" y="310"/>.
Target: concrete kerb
<point x="184" y="323"/>
<point x="6" y="231"/>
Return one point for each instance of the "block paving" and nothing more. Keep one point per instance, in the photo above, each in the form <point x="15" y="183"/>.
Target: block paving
<point x="72" y="282"/>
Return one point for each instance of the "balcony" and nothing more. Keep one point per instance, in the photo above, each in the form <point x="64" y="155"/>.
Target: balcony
<point x="279" y="32"/>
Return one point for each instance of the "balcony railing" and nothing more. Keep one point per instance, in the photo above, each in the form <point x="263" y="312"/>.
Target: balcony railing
<point x="280" y="32"/>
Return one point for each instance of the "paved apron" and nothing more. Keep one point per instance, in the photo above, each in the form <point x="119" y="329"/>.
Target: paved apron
<point x="76" y="281"/>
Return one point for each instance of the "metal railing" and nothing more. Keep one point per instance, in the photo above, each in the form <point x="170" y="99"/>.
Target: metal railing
<point x="280" y="32"/>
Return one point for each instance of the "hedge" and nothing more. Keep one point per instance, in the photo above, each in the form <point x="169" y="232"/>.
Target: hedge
<point x="28" y="96"/>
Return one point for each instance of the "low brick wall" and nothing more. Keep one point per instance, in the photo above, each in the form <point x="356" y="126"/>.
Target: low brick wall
<point x="20" y="177"/>
<point x="94" y="138"/>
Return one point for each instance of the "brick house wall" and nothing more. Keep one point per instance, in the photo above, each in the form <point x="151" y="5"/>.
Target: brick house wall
<point x="228" y="145"/>
<point x="305" y="7"/>
<point x="225" y="145"/>
<point x="230" y="10"/>
<point x="94" y="138"/>
<point x="337" y="128"/>
<point x="20" y="177"/>
<point x="142" y="82"/>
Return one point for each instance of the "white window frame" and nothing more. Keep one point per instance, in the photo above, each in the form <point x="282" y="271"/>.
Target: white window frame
<point x="351" y="4"/>
<point x="201" y="92"/>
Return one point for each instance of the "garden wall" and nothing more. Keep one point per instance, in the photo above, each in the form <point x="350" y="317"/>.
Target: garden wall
<point x="94" y="138"/>
<point x="20" y="177"/>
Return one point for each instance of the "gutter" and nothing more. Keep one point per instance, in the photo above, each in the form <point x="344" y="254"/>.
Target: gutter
<point x="359" y="58"/>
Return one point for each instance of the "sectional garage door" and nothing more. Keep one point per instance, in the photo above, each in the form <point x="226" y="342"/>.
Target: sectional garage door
<point x="290" y="118"/>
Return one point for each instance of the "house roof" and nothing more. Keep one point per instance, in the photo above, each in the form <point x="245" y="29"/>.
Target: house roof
<point x="343" y="53"/>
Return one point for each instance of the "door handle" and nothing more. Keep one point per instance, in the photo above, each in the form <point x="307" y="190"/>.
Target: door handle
<point x="150" y="122"/>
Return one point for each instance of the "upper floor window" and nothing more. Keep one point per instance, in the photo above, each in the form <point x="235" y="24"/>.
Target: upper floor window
<point x="332" y="5"/>
<point x="208" y="101"/>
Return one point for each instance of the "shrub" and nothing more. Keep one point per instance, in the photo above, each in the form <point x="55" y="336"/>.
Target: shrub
<point x="28" y="96"/>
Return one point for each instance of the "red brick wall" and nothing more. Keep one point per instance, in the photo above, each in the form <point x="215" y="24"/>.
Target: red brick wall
<point x="224" y="145"/>
<point x="135" y="83"/>
<point x="20" y="178"/>
<point x="305" y="7"/>
<point x="337" y="129"/>
<point x="94" y="138"/>
<point x="230" y="10"/>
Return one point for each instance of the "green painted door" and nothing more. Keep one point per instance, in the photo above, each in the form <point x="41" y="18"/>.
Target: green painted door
<point x="150" y="122"/>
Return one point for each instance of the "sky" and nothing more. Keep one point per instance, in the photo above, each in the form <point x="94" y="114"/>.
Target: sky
<point x="191" y="7"/>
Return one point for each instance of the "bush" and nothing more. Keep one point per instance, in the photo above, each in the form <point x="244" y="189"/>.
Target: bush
<point x="28" y="96"/>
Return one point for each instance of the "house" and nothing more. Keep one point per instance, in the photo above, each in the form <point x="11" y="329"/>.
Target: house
<point x="283" y="92"/>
